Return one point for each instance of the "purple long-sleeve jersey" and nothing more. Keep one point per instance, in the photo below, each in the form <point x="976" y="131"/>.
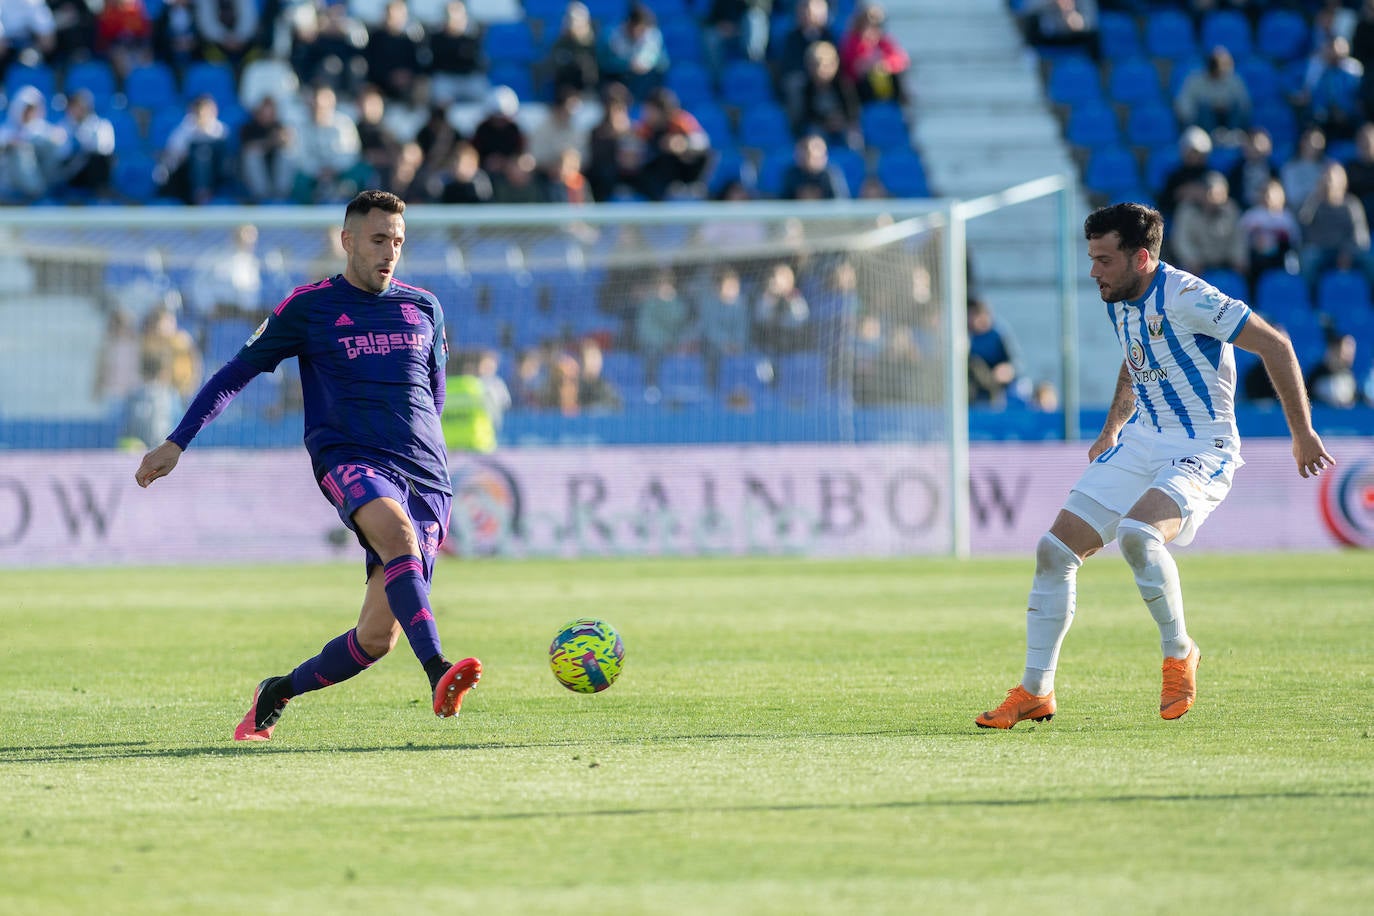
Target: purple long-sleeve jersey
<point x="372" y="376"/>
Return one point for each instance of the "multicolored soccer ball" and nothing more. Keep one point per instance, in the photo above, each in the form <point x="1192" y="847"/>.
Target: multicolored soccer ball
<point x="586" y="656"/>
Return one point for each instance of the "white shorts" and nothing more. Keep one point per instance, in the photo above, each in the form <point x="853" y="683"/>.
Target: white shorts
<point x="1197" y="473"/>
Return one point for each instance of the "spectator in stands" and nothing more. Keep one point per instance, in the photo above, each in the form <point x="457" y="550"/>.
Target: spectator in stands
<point x="871" y="59"/>
<point x="829" y="105"/>
<point x="567" y="184"/>
<point x="117" y="363"/>
<point x="73" y="33"/>
<point x="88" y="150"/>
<point x="194" y="165"/>
<point x="1271" y="233"/>
<point x="437" y="139"/>
<point x="531" y="377"/>
<point x="1332" y="382"/>
<point x="662" y="322"/>
<point x="1184" y="182"/>
<point x="1360" y="169"/>
<point x="267" y="168"/>
<point x="498" y="137"/>
<point x="1335" y="232"/>
<point x="393" y="54"/>
<point x="380" y="148"/>
<point x="992" y="357"/>
<point x="1362" y="36"/>
<point x="1330" y="93"/>
<point x="228" y="285"/>
<point x="170" y="370"/>
<point x="736" y="30"/>
<point x="1255" y="168"/>
<point x="25" y="25"/>
<point x="561" y="384"/>
<point x="595" y="393"/>
<point x="811" y="176"/>
<point x="123" y="34"/>
<point x="327" y="46"/>
<point x="467" y="182"/>
<point x="559" y="131"/>
<point x="458" y="68"/>
<point x="722" y="322"/>
<point x="1044" y="397"/>
<point x="572" y="59"/>
<point x="495" y="393"/>
<point x="328" y="153"/>
<point x="676" y="148"/>
<point x="227" y="29"/>
<point x="519" y="182"/>
<point x="1301" y="173"/>
<point x="1061" y="24"/>
<point x="634" y="54"/>
<point x="176" y="37"/>
<point x="1215" y="96"/>
<point x="811" y="25"/>
<point x="782" y="316"/>
<point x="1206" y="232"/>
<point x="614" y="148"/>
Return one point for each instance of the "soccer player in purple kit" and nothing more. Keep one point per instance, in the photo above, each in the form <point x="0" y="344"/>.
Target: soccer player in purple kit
<point x="372" y="352"/>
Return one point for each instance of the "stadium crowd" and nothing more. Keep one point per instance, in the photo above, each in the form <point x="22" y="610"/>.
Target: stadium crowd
<point x="1248" y="124"/>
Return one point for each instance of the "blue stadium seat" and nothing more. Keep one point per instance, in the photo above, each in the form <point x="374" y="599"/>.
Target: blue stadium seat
<point x="1169" y="34"/>
<point x="1343" y="291"/>
<point x="1179" y="73"/>
<point x="682" y="39"/>
<point x="851" y="164"/>
<point x="714" y="121"/>
<point x="884" y="126"/>
<point x="682" y="377"/>
<point x="39" y="76"/>
<point x="903" y="173"/>
<point x="802" y="373"/>
<point x="511" y="43"/>
<point x="1151" y="126"/>
<point x="1093" y="125"/>
<point x="764" y="128"/>
<point x="515" y="76"/>
<point x="1261" y="80"/>
<point x="1110" y="170"/>
<point x="133" y="176"/>
<point x="549" y="12"/>
<point x="1278" y="118"/>
<point x="1159" y="163"/>
<point x="745" y="84"/>
<point x="1279" y="294"/>
<point x="691" y="82"/>
<point x="608" y="13"/>
<point x="127" y="136"/>
<point x="1134" y="81"/>
<point x="1229" y="282"/>
<point x="748" y="371"/>
<point x="151" y="87"/>
<point x="1073" y="81"/>
<point x="771" y="169"/>
<point x="729" y="166"/>
<point x="95" y="76"/>
<point x="1118" y="36"/>
<point x="1229" y="29"/>
<point x="1282" y="35"/>
<point x="161" y="126"/>
<point x="625" y="371"/>
<point x="212" y="79"/>
<point x="1224" y="158"/>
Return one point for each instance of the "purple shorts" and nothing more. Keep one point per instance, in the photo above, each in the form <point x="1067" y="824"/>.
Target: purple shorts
<point x="351" y="486"/>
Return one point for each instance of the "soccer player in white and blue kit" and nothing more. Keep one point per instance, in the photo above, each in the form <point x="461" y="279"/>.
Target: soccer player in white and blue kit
<point x="1166" y="455"/>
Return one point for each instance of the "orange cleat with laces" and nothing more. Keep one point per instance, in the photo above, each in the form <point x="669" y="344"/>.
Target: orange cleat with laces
<point x="1019" y="706"/>
<point x="1180" y="684"/>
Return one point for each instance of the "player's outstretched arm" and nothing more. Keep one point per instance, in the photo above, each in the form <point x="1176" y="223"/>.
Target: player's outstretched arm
<point x="1122" y="406"/>
<point x="158" y="463"/>
<point x="1276" y="352"/>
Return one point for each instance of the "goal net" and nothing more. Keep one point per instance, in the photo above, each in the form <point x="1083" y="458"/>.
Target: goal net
<point x="758" y="333"/>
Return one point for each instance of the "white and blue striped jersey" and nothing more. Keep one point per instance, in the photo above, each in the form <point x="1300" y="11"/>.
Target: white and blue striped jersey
<point x="1177" y="341"/>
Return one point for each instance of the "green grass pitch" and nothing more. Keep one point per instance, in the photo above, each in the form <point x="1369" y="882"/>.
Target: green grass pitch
<point x="788" y="737"/>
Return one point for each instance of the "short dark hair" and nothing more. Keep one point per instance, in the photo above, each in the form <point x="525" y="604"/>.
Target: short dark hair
<point x="367" y="201"/>
<point x="1138" y="225"/>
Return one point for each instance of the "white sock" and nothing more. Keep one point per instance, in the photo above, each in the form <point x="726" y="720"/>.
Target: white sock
<point x="1156" y="576"/>
<point x="1049" y="611"/>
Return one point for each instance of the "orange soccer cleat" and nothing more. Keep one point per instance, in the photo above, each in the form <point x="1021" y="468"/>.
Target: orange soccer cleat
<point x="1019" y="706"/>
<point x="456" y="681"/>
<point x="1180" y="684"/>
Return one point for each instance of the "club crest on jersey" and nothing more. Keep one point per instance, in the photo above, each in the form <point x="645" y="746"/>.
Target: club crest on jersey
<point x="410" y="313"/>
<point x="256" y="334"/>
<point x="1155" y="326"/>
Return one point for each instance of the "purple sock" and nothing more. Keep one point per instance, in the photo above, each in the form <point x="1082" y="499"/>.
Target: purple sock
<point x="409" y="598"/>
<point x="339" y="660"/>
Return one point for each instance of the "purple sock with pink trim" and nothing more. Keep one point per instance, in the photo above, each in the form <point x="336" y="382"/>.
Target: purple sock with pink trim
<point x="339" y="660"/>
<point x="408" y="595"/>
